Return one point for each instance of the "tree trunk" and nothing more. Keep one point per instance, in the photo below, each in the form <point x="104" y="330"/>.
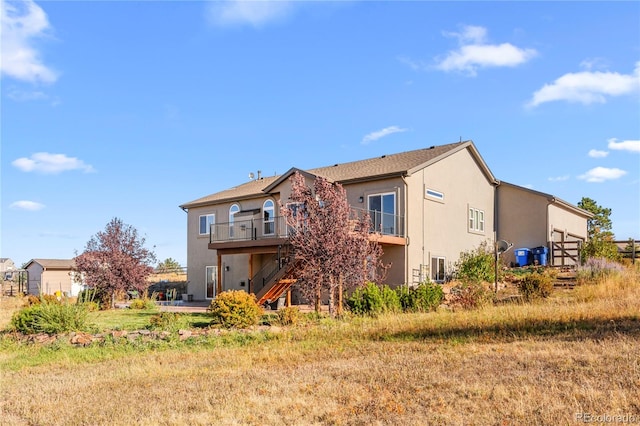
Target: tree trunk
<point x="318" y="295"/>
<point x="339" y="307"/>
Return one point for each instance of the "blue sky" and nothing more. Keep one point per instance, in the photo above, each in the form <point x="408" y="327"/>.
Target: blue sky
<point x="129" y="109"/>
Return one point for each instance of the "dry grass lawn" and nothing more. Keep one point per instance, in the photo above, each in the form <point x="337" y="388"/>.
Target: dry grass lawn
<point x="543" y="363"/>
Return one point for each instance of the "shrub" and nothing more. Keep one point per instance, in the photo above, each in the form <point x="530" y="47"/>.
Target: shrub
<point x="235" y="309"/>
<point x="425" y="297"/>
<point x="597" y="269"/>
<point x="32" y="299"/>
<point x="290" y="316"/>
<point x="477" y="265"/>
<point x="95" y="296"/>
<point x="471" y="295"/>
<point x="170" y="321"/>
<point x="145" y="303"/>
<point x="535" y="286"/>
<point x="373" y="300"/>
<point x="50" y="318"/>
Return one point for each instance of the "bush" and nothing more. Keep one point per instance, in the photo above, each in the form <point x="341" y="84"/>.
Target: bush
<point x="535" y="286"/>
<point x="290" y="316"/>
<point x="170" y="321"/>
<point x="471" y="295"/>
<point x="373" y="300"/>
<point x="597" y="269"/>
<point x="147" y="304"/>
<point x="235" y="309"/>
<point x="50" y="318"/>
<point x="477" y="265"/>
<point x="32" y="299"/>
<point x="425" y="297"/>
<point x="95" y="296"/>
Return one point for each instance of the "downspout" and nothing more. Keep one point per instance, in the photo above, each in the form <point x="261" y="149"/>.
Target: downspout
<point x="406" y="230"/>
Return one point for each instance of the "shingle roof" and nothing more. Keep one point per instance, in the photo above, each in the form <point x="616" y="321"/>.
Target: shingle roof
<point x="386" y="165"/>
<point x="55" y="263"/>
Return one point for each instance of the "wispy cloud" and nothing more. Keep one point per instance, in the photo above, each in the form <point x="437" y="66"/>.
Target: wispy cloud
<point x="374" y="136"/>
<point x="595" y="153"/>
<point x="475" y="53"/>
<point x="587" y="87"/>
<point x="629" y="145"/>
<point x="256" y="13"/>
<point x="26" y="205"/>
<point x="559" y="178"/>
<point x="44" y="162"/>
<point x="22" y="23"/>
<point x="601" y="174"/>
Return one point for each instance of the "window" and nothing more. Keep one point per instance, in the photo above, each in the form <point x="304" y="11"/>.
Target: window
<point x="298" y="214"/>
<point x="437" y="269"/>
<point x="211" y="281"/>
<point x="432" y="193"/>
<point x="205" y="223"/>
<point x="232" y="211"/>
<point x="268" y="211"/>
<point x="476" y="220"/>
<point x="382" y="208"/>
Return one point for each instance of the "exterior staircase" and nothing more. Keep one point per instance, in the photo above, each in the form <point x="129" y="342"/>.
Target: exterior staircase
<point x="276" y="277"/>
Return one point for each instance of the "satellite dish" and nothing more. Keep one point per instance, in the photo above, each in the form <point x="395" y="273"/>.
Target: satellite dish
<point x="251" y="175"/>
<point x="503" y="246"/>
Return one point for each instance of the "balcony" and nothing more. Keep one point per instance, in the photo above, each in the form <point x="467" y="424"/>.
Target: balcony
<point x="387" y="228"/>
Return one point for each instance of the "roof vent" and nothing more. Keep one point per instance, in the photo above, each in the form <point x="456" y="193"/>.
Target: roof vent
<point x="432" y="146"/>
<point x="335" y="165"/>
<point x="384" y="156"/>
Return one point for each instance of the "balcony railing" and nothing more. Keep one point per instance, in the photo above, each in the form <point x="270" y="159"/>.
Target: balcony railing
<point x="260" y="229"/>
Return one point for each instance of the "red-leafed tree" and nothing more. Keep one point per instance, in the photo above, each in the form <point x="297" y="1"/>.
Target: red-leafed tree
<point x="116" y="260"/>
<point x="332" y="244"/>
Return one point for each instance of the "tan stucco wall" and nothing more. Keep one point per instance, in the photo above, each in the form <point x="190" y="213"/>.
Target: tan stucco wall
<point x="528" y="218"/>
<point x="49" y="281"/>
<point x="440" y="228"/>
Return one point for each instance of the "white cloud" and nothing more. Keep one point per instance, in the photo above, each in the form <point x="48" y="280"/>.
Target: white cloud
<point x="22" y="22"/>
<point x="630" y="145"/>
<point x="474" y="53"/>
<point x="588" y="87"/>
<point x="27" y="205"/>
<point x="601" y="174"/>
<point x="374" y="136"/>
<point x="559" y="178"/>
<point x="594" y="153"/>
<point x="47" y="163"/>
<point x="253" y="12"/>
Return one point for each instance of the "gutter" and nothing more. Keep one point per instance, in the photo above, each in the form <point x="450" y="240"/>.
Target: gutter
<point x="406" y="229"/>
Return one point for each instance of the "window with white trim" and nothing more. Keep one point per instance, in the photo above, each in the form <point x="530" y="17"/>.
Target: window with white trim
<point x="432" y="193"/>
<point x="205" y="223"/>
<point x="382" y="209"/>
<point x="268" y="212"/>
<point x="232" y="212"/>
<point x="476" y="220"/>
<point x="438" y="269"/>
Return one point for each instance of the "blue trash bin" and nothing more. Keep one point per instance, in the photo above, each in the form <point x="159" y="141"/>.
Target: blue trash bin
<point x="540" y="255"/>
<point x="524" y="257"/>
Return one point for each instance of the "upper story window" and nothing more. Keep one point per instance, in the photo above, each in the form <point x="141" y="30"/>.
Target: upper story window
<point x="382" y="208"/>
<point x="232" y="212"/>
<point x="476" y="220"/>
<point x="205" y="223"/>
<point x="268" y="214"/>
<point x="433" y="194"/>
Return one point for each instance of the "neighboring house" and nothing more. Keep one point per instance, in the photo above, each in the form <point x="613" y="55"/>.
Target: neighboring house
<point x="48" y="276"/>
<point x="7" y="267"/>
<point x="426" y="206"/>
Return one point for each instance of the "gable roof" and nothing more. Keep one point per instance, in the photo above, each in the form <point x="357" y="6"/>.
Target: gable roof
<point x="53" y="263"/>
<point x="551" y="198"/>
<point x="400" y="164"/>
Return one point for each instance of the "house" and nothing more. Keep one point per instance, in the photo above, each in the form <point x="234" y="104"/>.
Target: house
<point x="50" y="276"/>
<point x="426" y="206"/>
<point x="7" y="267"/>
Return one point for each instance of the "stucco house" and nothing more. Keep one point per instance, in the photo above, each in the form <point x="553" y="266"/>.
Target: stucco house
<point x="7" y="267"/>
<point x="48" y="276"/>
<point x="426" y="205"/>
